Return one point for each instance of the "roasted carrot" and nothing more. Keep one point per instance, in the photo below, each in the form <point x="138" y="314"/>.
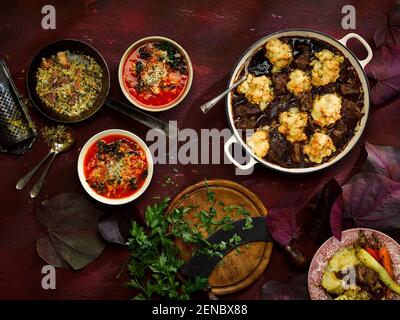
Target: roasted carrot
<point x="373" y="252"/>
<point x="374" y="265"/>
<point x="385" y="260"/>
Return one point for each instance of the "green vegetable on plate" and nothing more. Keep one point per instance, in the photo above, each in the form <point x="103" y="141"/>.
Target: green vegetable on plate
<point x="374" y="265"/>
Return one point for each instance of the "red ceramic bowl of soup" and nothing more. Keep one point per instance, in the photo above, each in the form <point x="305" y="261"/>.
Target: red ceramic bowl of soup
<point x="115" y="166"/>
<point x="155" y="73"/>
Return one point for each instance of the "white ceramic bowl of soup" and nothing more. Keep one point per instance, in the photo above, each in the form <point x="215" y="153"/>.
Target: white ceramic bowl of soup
<point x="87" y="150"/>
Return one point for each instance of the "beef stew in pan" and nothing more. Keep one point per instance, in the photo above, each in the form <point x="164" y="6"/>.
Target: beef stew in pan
<point x="301" y="103"/>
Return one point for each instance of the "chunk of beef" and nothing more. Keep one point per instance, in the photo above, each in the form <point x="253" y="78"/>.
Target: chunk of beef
<point x="278" y="148"/>
<point x="350" y="88"/>
<point x="278" y="105"/>
<point x="238" y="99"/>
<point x="329" y="88"/>
<point x="244" y="122"/>
<point x="262" y="121"/>
<point x="351" y="113"/>
<point x="297" y="151"/>
<point x="305" y="101"/>
<point x="369" y="281"/>
<point x="346" y="72"/>
<point x="303" y="58"/>
<point x="339" y="134"/>
<point x="279" y="81"/>
<point x="366" y="276"/>
<point x="246" y="109"/>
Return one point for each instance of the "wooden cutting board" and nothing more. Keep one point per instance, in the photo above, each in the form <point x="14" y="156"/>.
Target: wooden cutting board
<point x="239" y="268"/>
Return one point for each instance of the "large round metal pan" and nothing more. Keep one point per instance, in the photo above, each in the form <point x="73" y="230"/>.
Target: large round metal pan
<point x="341" y="46"/>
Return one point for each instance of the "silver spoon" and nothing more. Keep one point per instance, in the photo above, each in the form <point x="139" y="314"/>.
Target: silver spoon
<point x="57" y="147"/>
<point x="208" y="105"/>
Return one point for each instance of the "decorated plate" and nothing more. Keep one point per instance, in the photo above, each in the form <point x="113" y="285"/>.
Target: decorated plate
<point x="332" y="245"/>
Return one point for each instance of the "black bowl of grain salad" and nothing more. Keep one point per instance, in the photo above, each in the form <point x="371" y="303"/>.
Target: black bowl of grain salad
<point x="68" y="81"/>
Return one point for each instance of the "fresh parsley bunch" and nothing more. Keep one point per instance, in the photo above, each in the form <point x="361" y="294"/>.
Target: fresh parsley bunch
<point x="155" y="264"/>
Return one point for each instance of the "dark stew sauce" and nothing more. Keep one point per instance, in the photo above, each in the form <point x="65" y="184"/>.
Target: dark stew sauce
<point x="282" y="152"/>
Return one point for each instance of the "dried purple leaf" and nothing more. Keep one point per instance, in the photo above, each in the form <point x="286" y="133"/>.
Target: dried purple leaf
<point x="114" y="227"/>
<point x="294" y="289"/>
<point x="372" y="201"/>
<point x="319" y="227"/>
<point x="47" y="252"/>
<point x="72" y="234"/>
<point x="390" y="34"/>
<point x="282" y="219"/>
<point x="385" y="69"/>
<point x="383" y="160"/>
<point x="337" y="217"/>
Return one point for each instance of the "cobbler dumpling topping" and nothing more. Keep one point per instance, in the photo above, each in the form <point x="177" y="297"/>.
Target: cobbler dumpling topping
<point x="259" y="142"/>
<point x="319" y="147"/>
<point x="326" y="67"/>
<point x="299" y="82"/>
<point x="292" y="124"/>
<point x="279" y="54"/>
<point x="257" y="90"/>
<point x="326" y="109"/>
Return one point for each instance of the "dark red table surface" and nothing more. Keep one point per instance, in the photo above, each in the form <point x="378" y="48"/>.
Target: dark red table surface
<point x="215" y="34"/>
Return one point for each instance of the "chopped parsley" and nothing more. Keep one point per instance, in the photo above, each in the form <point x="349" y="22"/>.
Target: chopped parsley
<point x="155" y="265"/>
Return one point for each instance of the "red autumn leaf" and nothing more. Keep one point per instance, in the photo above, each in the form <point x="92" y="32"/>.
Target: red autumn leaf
<point x="385" y="69"/>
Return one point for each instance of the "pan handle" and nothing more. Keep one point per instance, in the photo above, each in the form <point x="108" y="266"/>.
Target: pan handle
<point x="246" y="166"/>
<point x="363" y="42"/>
<point x="169" y="130"/>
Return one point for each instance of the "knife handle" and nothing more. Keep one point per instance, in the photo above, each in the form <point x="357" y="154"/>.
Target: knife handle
<point x="142" y="117"/>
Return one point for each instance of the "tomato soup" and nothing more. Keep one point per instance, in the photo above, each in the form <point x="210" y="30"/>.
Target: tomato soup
<point x="155" y="74"/>
<point x="115" y="166"/>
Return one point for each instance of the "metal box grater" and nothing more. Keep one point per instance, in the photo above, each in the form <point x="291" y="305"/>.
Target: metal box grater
<point x="17" y="132"/>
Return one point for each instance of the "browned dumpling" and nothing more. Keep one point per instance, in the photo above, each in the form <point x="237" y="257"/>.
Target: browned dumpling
<point x="257" y="90"/>
<point x="259" y="142"/>
<point x="326" y="67"/>
<point x="299" y="82"/>
<point x="292" y="124"/>
<point x="326" y="109"/>
<point x="279" y="54"/>
<point x="319" y="147"/>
